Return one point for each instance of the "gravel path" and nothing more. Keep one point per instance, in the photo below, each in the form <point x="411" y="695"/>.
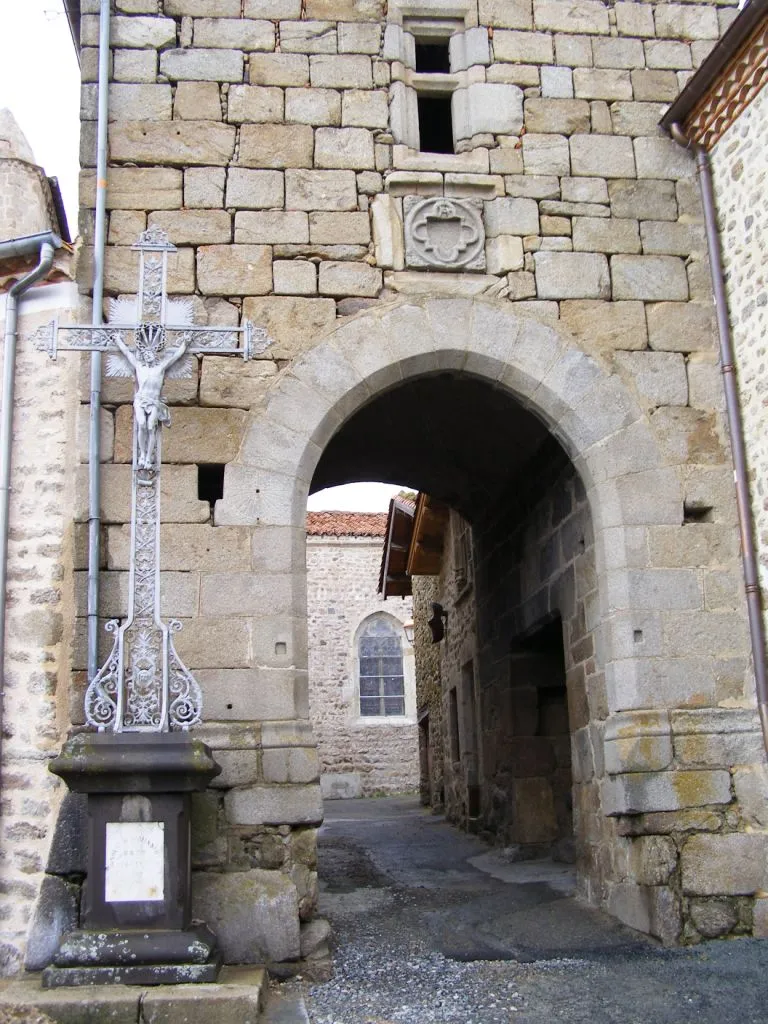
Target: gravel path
<point x="422" y="936"/>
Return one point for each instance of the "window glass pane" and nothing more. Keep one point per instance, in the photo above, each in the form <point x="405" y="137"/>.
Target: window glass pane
<point x="391" y="666"/>
<point x="369" y="667"/>
<point x="370" y="687"/>
<point x="394" y="706"/>
<point x="393" y="686"/>
<point x="370" y="706"/>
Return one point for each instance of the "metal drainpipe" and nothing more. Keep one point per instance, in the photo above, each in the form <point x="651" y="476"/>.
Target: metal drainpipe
<point x="45" y="245"/>
<point x="733" y="412"/>
<point x="94" y="422"/>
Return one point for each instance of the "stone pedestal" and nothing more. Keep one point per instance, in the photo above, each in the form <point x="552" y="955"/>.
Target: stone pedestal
<point x="136" y="925"/>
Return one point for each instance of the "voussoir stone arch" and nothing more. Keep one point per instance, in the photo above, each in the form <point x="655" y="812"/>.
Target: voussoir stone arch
<point x="592" y="413"/>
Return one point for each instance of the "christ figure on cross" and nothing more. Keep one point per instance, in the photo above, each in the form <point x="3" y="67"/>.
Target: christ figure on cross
<point x="149" y="409"/>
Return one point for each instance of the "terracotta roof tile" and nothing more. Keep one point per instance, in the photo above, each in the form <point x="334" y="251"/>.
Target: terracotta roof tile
<point x="346" y="524"/>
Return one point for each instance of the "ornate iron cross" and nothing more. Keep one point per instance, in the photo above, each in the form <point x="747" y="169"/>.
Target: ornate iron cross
<point x="143" y="685"/>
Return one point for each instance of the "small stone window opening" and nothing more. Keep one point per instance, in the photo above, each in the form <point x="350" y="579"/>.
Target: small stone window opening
<point x="435" y="123"/>
<point x="382" y="685"/>
<point x="210" y="482"/>
<point x="434" y="87"/>
<point x="462" y="554"/>
<point x="432" y="56"/>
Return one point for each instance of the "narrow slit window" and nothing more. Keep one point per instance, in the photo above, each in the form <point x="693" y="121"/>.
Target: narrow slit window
<point x="432" y="58"/>
<point x="435" y="124"/>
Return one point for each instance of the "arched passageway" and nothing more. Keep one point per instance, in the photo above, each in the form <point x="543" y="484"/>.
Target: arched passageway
<point x="569" y="488"/>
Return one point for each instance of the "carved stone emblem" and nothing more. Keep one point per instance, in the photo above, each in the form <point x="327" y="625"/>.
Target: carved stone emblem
<point x="444" y="234"/>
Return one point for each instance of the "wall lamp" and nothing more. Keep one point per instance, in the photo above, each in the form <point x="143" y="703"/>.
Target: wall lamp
<point x="408" y="629"/>
<point x="438" y="622"/>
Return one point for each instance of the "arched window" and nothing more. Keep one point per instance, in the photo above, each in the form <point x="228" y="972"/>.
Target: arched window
<point x="382" y="689"/>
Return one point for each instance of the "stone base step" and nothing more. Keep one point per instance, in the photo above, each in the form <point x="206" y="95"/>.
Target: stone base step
<point x="284" y="1009"/>
<point x="237" y="998"/>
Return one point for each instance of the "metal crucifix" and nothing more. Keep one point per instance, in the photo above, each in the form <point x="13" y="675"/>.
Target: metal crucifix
<point x="144" y="686"/>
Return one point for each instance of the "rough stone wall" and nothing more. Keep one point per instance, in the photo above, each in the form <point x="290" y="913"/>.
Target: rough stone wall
<point x="40" y="614"/>
<point x="358" y="756"/>
<point x="740" y="171"/>
<point x="429" y="696"/>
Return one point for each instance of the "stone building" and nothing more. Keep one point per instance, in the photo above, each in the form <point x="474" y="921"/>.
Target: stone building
<point x="362" y="707"/>
<point x="483" y="269"/>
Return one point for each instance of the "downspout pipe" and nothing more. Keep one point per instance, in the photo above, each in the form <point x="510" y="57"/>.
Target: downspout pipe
<point x="45" y="245"/>
<point x="94" y="421"/>
<point x="735" y="427"/>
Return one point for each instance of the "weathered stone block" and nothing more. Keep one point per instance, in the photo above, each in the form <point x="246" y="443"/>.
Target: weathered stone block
<point x="503" y="254"/>
<point x="364" y="109"/>
<point x="729" y="865"/>
<point x="275" y="805"/>
<point x="197" y="101"/>
<point x="662" y="158"/>
<point x="215" y="644"/>
<point x="283" y="69"/>
<point x="195" y="435"/>
<point x="602" y="84"/>
<point x="127" y="66"/>
<point x="506" y="13"/>
<point x="236" y="1000"/>
<point x="340" y="227"/>
<point x="172" y="142"/>
<point x="202" y="65"/>
<point x="655" y="85"/>
<point x="565" y="275"/>
<point x="313" y="106"/>
<point x="651" y="278"/>
<point x="122" y="268"/>
<point x="254" y="103"/>
<point x="234" y="33"/>
<point x="320" y="190"/>
<point x="679" y="21"/>
<point x="344" y="148"/>
<point x="681" y="326"/>
<point x="294" y="277"/>
<point x="662" y="237"/>
<point x="254" y="190"/>
<point x="645" y="200"/>
<point x="664" y="53"/>
<point x="651" y="909"/>
<point x="293" y="323"/>
<point x="195" y="227"/>
<point x="335" y="72"/>
<point x="638" y="741"/>
<point x="605" y="234"/>
<point x="602" y="156"/>
<point x="652" y="859"/>
<point x="659" y="377"/>
<point x="342" y="279"/>
<point x="135" y="102"/>
<point x="234" y="270"/>
<point x="178" y="495"/>
<point x="557" y="83"/>
<point x="291" y="764"/>
<point x="357" y="37"/>
<point x="576" y="16"/>
<point x="633" y="19"/>
<point x="308" y="37"/>
<point x="546" y="154"/>
<point x="135" y="188"/>
<point x="489" y="107"/>
<point x="509" y="216"/>
<point x="254" y="914"/>
<point x="557" y="116"/>
<point x="276" y="145"/>
<point x="271" y="227"/>
<point x="640" y="792"/>
<point x="229" y="382"/>
<point x="751" y="786"/>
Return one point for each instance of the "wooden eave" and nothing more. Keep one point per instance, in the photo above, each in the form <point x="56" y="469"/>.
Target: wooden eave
<point x="393" y="578"/>
<point x="425" y="557"/>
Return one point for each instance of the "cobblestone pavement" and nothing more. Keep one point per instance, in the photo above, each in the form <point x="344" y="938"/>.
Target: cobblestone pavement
<point x="433" y="927"/>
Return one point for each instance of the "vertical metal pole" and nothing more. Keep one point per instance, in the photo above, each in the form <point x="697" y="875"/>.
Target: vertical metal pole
<point x="94" y="425"/>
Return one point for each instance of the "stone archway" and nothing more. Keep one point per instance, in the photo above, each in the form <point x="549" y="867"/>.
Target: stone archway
<point x="632" y="490"/>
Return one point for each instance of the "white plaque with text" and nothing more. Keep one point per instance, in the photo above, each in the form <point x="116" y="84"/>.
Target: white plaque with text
<point x="135" y="861"/>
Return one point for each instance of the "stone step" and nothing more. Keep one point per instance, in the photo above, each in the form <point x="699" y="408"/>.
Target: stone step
<point x="237" y="998"/>
<point x="285" y="1008"/>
